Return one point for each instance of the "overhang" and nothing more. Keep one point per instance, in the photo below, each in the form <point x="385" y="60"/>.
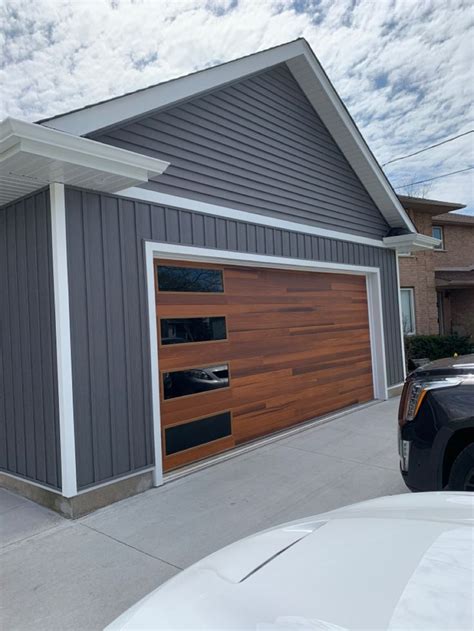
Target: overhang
<point x="406" y="243"/>
<point x="308" y="72"/>
<point x="455" y="278"/>
<point x="430" y="206"/>
<point x="32" y="156"/>
<point x="454" y="219"/>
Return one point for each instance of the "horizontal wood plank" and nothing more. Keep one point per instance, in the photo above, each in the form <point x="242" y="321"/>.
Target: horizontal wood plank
<point x="298" y="347"/>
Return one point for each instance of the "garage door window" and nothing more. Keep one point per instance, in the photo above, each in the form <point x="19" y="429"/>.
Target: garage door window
<point x="185" y="330"/>
<point x="198" y="432"/>
<point x="190" y="279"/>
<point x="181" y="383"/>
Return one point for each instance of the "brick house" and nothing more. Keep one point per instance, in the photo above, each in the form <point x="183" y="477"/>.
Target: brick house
<point x="437" y="286"/>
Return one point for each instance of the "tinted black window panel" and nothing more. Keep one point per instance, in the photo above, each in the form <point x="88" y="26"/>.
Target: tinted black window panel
<point x="183" y="382"/>
<point x="189" y="279"/>
<point x="184" y="330"/>
<point x="194" y="433"/>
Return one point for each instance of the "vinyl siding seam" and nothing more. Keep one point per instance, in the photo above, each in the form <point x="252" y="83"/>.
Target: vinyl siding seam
<point x="41" y="344"/>
<point x="95" y="457"/>
<point x="108" y="344"/>
<point x="131" y="453"/>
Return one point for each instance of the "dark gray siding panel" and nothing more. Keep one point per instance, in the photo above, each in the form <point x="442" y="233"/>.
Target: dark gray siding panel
<point x="110" y="358"/>
<point x="109" y="328"/>
<point x="29" y="427"/>
<point x="257" y="145"/>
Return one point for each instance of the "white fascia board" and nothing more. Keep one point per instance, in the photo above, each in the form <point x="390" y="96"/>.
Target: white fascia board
<point x="406" y="243"/>
<point x="58" y="145"/>
<point x="184" y="203"/>
<point x="109" y="113"/>
<point x="340" y="124"/>
<point x="307" y="71"/>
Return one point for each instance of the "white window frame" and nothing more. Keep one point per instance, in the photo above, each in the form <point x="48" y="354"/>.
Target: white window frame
<point x="441" y="245"/>
<point x="155" y="250"/>
<point x="412" y="309"/>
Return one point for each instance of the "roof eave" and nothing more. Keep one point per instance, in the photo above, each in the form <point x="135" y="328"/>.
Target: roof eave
<point x="432" y="206"/>
<point x="312" y="79"/>
<point x="32" y="156"/>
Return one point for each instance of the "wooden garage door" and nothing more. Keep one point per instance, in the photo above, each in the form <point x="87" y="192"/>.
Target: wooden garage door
<point x="245" y="351"/>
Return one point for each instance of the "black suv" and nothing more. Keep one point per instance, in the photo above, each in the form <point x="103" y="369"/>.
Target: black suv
<point x="436" y="426"/>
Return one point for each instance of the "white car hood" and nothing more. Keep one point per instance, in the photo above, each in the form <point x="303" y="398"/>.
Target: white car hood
<point x="404" y="562"/>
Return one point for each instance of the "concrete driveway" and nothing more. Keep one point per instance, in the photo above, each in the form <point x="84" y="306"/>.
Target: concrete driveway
<point x="60" y="574"/>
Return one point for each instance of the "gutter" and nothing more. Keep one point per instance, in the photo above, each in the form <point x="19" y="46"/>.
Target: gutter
<point x="411" y="242"/>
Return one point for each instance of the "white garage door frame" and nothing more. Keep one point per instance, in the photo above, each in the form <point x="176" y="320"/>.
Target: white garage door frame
<point x="154" y="249"/>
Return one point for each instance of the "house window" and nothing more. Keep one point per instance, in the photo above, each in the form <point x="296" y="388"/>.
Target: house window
<point x="437" y="233"/>
<point x="407" y="298"/>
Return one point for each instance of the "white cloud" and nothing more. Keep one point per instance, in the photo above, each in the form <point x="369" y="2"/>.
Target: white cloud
<point x="404" y="69"/>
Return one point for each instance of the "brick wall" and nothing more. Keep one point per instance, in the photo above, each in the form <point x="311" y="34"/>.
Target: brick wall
<point x="417" y="271"/>
<point x="458" y="246"/>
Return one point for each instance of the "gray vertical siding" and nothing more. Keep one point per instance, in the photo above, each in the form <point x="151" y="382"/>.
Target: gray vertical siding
<point x="256" y="145"/>
<point x="29" y="432"/>
<point x="109" y="328"/>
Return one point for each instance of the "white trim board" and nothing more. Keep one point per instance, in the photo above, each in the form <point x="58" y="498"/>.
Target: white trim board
<point x="63" y="341"/>
<point x="312" y="79"/>
<point x="190" y="253"/>
<point x="184" y="203"/>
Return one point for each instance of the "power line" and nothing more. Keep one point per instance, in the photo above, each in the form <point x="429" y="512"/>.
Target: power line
<point x="435" y="178"/>
<point x="438" y="144"/>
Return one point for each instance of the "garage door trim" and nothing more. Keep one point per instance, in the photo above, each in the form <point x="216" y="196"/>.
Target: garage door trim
<point x="206" y="255"/>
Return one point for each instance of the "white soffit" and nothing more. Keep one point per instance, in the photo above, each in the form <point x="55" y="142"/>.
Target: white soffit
<point x="32" y="156"/>
<point x="314" y="82"/>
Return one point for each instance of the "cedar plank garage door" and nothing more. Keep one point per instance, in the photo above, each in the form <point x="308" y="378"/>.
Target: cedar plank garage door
<point x="295" y="344"/>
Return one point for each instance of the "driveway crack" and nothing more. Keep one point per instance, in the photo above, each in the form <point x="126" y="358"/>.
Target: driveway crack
<point x="124" y="543"/>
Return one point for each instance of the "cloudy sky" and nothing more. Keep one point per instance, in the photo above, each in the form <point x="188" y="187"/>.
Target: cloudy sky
<point x="404" y="68"/>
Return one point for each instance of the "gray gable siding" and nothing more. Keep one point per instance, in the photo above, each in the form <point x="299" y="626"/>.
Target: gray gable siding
<point x="109" y="317"/>
<point x="256" y="145"/>
<point x="29" y="420"/>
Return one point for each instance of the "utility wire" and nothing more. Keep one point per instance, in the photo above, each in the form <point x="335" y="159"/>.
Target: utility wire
<point x="435" y="178"/>
<point x="438" y="144"/>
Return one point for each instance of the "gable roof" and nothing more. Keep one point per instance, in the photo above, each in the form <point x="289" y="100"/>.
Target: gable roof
<point x="312" y="79"/>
